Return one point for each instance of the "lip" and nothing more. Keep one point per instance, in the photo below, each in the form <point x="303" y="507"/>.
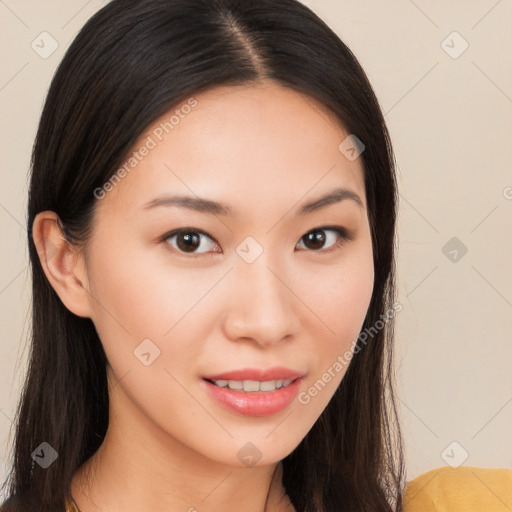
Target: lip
<point x="261" y="403"/>
<point x="273" y="373"/>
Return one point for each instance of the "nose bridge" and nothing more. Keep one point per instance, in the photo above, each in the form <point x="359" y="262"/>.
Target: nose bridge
<point x="261" y="305"/>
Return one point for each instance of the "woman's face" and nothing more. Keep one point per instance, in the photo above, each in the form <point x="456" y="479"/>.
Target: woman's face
<point x="254" y="284"/>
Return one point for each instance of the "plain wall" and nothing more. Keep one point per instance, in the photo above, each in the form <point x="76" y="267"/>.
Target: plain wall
<point x="449" y="115"/>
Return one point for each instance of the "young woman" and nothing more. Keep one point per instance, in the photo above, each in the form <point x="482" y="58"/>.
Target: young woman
<point x="211" y="229"/>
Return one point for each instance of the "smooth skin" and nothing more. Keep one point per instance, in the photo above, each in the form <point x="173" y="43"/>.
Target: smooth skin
<point x="263" y="150"/>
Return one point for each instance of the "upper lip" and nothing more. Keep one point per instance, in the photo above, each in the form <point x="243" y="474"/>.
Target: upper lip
<point x="262" y="375"/>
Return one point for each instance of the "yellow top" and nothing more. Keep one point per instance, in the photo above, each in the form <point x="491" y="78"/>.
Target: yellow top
<point x="70" y="507"/>
<point x="464" y="489"/>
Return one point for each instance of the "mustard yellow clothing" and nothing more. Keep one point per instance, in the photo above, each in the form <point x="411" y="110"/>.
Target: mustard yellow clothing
<point x="70" y="507"/>
<point x="463" y="489"/>
<point x="445" y="489"/>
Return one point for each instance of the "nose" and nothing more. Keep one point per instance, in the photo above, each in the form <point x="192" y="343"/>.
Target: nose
<point x="262" y="306"/>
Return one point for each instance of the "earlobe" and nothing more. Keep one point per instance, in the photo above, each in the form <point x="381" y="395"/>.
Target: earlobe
<point x="62" y="263"/>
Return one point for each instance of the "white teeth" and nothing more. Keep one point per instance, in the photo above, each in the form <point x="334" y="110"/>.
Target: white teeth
<point x="268" y="385"/>
<point x="249" y="386"/>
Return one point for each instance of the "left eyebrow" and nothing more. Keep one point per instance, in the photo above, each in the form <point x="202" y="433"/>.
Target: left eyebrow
<point x="208" y="206"/>
<point x="335" y="196"/>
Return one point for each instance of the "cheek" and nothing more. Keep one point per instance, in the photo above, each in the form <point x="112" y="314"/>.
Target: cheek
<point x="142" y="298"/>
<point x="340" y="299"/>
<point x="350" y="299"/>
<point x="136" y="300"/>
<point x="148" y="325"/>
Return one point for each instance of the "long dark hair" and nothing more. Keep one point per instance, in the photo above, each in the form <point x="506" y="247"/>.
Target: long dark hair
<point x="131" y="63"/>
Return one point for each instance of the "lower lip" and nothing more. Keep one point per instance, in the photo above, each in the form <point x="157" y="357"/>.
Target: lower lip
<point x="262" y="403"/>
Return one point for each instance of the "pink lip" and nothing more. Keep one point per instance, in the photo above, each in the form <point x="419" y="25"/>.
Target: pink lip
<point x="261" y="403"/>
<point x="274" y="373"/>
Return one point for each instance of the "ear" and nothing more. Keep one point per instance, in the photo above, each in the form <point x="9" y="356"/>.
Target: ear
<point x="62" y="263"/>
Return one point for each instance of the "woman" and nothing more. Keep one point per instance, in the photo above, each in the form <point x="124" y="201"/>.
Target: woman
<point x="211" y="230"/>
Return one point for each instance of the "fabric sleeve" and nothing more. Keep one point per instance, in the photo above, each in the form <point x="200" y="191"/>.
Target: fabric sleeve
<point x="462" y="489"/>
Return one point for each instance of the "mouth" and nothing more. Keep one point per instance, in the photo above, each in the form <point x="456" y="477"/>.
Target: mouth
<point x="254" y="392"/>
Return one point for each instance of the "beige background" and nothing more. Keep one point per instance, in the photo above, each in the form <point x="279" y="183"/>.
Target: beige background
<point x="451" y="125"/>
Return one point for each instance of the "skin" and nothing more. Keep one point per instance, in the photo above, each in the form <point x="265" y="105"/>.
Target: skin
<point x="264" y="150"/>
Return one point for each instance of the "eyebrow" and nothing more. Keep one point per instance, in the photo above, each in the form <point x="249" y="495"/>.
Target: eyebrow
<point x="199" y="204"/>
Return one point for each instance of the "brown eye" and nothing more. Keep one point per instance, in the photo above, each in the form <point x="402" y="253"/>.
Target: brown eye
<point x="189" y="240"/>
<point x="317" y="238"/>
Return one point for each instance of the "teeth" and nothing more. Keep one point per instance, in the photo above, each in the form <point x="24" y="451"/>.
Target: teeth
<point x="269" y="385"/>
<point x="249" y="386"/>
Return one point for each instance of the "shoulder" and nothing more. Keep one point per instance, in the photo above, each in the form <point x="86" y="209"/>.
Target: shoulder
<point x="462" y="489"/>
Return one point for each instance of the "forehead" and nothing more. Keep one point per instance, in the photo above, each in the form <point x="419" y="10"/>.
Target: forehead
<point x="243" y="145"/>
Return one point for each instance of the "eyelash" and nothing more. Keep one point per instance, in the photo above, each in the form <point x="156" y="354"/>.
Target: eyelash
<point x="344" y="236"/>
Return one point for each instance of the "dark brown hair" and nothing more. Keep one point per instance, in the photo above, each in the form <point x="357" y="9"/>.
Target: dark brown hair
<point x="131" y="63"/>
